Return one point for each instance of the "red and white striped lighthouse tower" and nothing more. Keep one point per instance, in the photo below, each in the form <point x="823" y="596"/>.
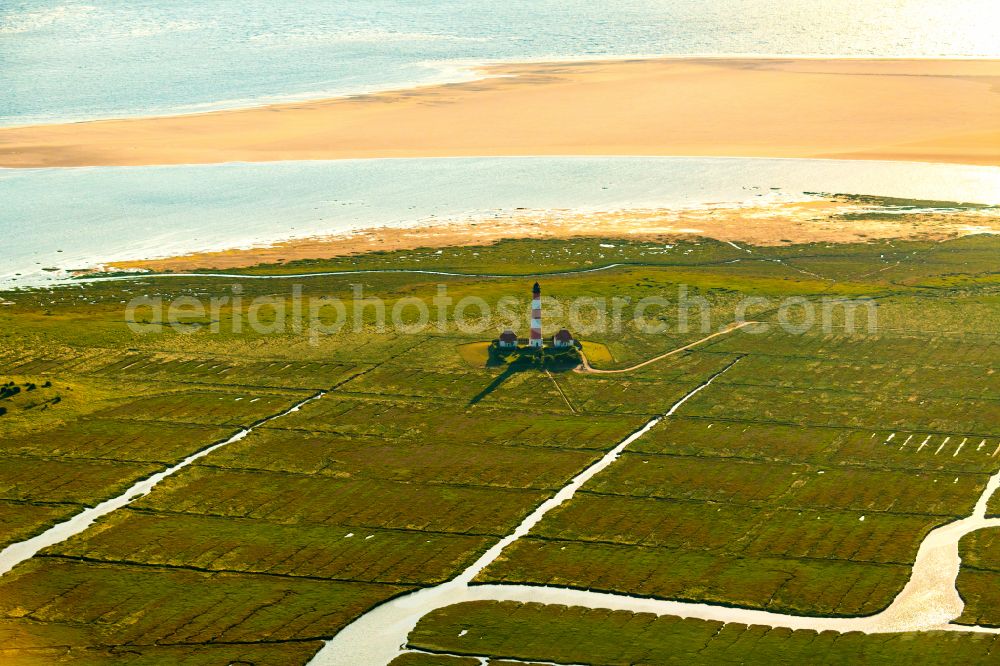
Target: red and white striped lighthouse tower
<point x="535" y="339"/>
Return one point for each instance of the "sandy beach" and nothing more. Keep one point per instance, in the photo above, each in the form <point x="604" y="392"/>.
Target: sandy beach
<point x="915" y="110"/>
<point x="826" y="220"/>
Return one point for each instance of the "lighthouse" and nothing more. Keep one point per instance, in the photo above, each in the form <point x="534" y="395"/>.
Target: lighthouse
<point x="535" y="338"/>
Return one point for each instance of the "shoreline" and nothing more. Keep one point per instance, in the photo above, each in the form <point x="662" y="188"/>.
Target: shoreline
<point x="830" y="220"/>
<point x="527" y="156"/>
<point x="476" y="70"/>
<point x="933" y="109"/>
<point x="398" y="203"/>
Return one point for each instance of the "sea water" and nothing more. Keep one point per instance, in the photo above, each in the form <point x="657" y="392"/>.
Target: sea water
<point x="77" y="218"/>
<point x="83" y="59"/>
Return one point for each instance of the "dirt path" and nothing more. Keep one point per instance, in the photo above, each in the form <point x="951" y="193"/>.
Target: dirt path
<point x="586" y="368"/>
<point x="291" y="276"/>
<point x="563" y="394"/>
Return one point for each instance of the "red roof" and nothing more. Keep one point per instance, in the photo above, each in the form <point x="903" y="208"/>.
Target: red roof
<point x="563" y="334"/>
<point x="508" y="336"/>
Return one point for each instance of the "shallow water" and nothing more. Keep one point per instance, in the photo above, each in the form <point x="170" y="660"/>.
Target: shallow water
<point x="82" y="59"/>
<point x="77" y="218"/>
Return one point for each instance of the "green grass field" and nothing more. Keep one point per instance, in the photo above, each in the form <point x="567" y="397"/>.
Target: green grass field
<point x="977" y="582"/>
<point x="557" y="634"/>
<point x="802" y="480"/>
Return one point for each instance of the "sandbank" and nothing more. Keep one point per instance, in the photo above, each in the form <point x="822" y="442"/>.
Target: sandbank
<point x="912" y="110"/>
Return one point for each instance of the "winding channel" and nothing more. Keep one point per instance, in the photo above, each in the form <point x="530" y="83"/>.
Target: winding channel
<point x="929" y="601"/>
